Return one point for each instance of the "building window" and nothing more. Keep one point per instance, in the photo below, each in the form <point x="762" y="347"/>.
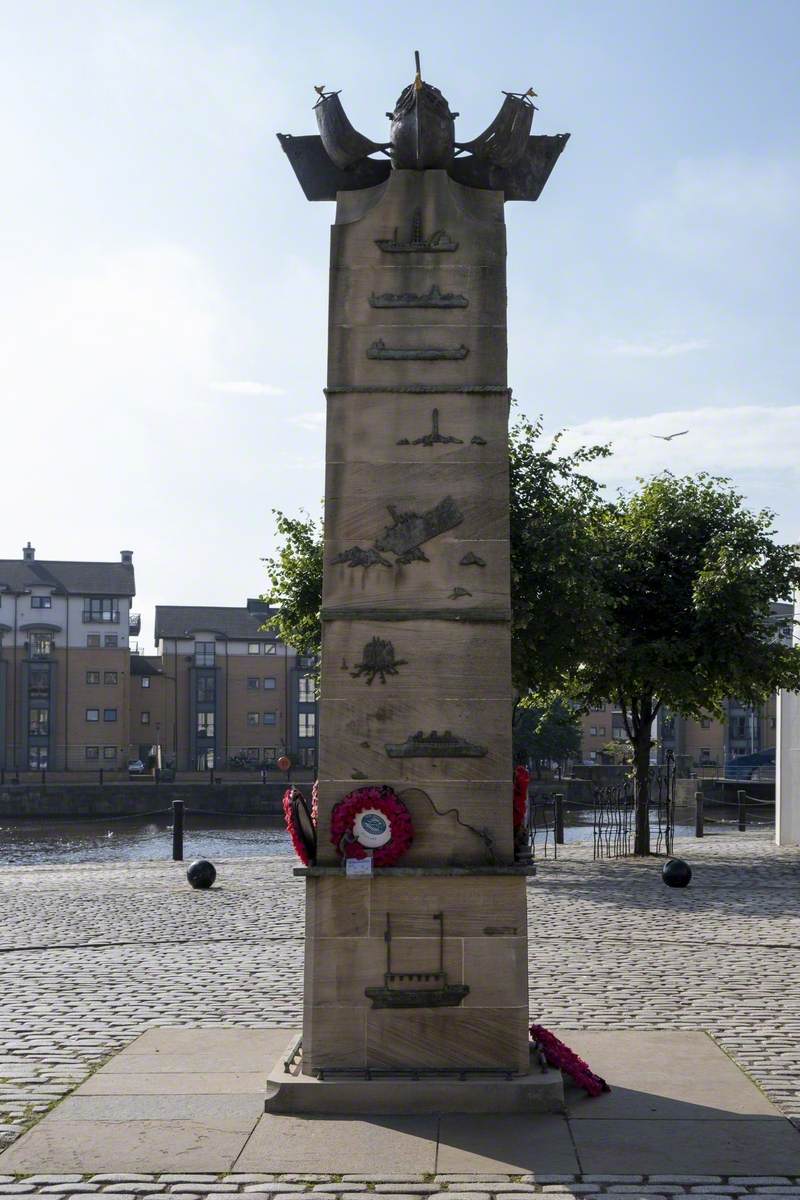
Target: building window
<point x="204" y="760"/>
<point x="306" y="756"/>
<point x="205" y="724"/>
<point x="601" y="729"/>
<point x="593" y="731"/>
<point x="39" y="722"/>
<point x="253" y="718"/>
<point x="205" y="689"/>
<point x="41" y="602"/>
<point x="109" y="753"/>
<point x="598" y="708"/>
<point x="705" y="722"/>
<point x="93" y="639"/>
<point x="306" y="725"/>
<point x="270" y="683"/>
<point x="145" y="718"/>
<point x="270" y="718"/>
<point x="270" y="754"/>
<point x="254" y="647"/>
<point x="37" y="758"/>
<point x="307" y="692"/>
<point x="103" y="609"/>
<point x="93" y="714"/>
<point x="111" y="641"/>
<point x="592" y="756"/>
<point x="39" y="683"/>
<point x="204" y="653"/>
<point x="109" y="714"/>
<point x="92" y="752"/>
<point x="251" y="754"/>
<point x="92" y="676"/>
<point x="269" y="647"/>
<point x="705" y="752"/>
<point x="145" y="680"/>
<point x="306" y="660"/>
<point x="253" y="683"/>
<point x="41" y="645"/>
<point x="110" y="677"/>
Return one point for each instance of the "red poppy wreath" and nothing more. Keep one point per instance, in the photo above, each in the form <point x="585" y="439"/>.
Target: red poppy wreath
<point x="372" y="819"/>
<point x="301" y="823"/>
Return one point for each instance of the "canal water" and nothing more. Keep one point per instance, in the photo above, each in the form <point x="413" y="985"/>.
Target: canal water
<point x="216" y="837"/>
<point x="138" y="838"/>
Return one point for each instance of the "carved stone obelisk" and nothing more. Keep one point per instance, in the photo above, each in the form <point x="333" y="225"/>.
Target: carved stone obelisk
<point x="421" y="965"/>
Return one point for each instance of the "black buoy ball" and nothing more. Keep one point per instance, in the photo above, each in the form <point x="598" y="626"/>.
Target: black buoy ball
<point x="676" y="873"/>
<point x="202" y="873"/>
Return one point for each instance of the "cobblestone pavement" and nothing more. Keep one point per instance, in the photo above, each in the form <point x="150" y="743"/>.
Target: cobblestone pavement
<point x="90" y="956"/>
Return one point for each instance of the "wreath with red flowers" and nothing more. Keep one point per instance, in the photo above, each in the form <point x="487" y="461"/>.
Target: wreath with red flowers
<point x="301" y="823"/>
<point x="522" y="778"/>
<point x="372" y="820"/>
<point x="559" y="1055"/>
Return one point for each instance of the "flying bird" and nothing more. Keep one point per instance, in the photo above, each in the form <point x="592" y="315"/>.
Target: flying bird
<point x="669" y="436"/>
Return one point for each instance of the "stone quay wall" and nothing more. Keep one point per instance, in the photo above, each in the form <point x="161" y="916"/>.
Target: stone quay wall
<point x="73" y="801"/>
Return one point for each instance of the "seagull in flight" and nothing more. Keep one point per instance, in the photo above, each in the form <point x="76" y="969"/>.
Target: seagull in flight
<point x="669" y="436"/>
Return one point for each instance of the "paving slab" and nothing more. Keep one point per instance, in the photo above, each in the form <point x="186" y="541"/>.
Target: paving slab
<point x="513" y="1144"/>
<point x="294" y="1143"/>
<point x="758" y="1146"/>
<point x="163" y="1083"/>
<point x="168" y="1039"/>
<point x="676" y="1074"/>
<point x="242" y="1109"/>
<point x="88" y="1146"/>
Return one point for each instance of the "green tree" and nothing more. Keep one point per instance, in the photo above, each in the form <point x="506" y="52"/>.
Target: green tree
<point x="689" y="578"/>
<point x="545" y="730"/>
<point x="295" y="582"/>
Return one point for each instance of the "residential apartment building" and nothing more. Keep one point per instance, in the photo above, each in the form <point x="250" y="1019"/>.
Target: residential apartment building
<point x="65" y="630"/>
<point x="232" y="694"/>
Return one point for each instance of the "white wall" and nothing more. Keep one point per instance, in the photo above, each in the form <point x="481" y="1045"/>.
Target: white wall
<point x="787" y="770"/>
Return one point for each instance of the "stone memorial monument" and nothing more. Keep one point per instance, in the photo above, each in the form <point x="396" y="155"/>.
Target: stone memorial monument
<point x="416" y="968"/>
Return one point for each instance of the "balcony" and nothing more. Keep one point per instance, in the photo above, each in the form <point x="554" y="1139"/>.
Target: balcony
<point x="134" y="624"/>
<point x="100" y="618"/>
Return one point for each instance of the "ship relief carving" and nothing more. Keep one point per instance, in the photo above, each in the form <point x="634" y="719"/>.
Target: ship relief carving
<point x="458" y="592"/>
<point x="439" y="242"/>
<point x="433" y="298"/>
<point x="435" y="745"/>
<point x="379" y="350"/>
<point x="471" y="559"/>
<point x="405" y="537"/>
<point x="434" y="438"/>
<point x="377" y="659"/>
<point x="420" y="988"/>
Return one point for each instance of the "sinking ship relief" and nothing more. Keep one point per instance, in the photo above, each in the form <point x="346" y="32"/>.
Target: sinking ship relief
<point x="406" y="536"/>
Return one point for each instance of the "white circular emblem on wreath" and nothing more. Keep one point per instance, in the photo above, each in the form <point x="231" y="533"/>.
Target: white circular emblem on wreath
<point x="372" y="828"/>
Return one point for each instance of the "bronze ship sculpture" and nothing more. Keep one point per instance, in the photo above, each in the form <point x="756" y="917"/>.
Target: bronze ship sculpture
<point x="505" y="157"/>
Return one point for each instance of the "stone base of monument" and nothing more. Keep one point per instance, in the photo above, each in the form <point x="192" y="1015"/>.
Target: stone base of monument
<point x="395" y="1092"/>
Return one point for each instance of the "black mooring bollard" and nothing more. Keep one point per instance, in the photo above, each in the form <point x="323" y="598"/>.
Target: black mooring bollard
<point x="742" y="798"/>
<point x="558" y="818"/>
<point x="177" y="831"/>
<point x="699" y="828"/>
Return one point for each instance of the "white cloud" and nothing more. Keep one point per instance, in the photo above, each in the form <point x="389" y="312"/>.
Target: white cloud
<point x="657" y="349"/>
<point x="312" y="422"/>
<point x="721" y="206"/>
<point x="730" y="440"/>
<point x="247" y="387"/>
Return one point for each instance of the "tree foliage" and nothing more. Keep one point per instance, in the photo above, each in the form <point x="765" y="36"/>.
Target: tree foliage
<point x="545" y="729"/>
<point x="556" y="602"/>
<point x="294" y="577"/>
<point x="689" y="577"/>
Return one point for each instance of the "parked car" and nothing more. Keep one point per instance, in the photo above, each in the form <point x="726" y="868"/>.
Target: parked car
<point x="136" y="767"/>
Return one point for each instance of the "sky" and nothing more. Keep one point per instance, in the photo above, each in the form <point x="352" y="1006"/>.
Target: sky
<point x="164" y="284"/>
